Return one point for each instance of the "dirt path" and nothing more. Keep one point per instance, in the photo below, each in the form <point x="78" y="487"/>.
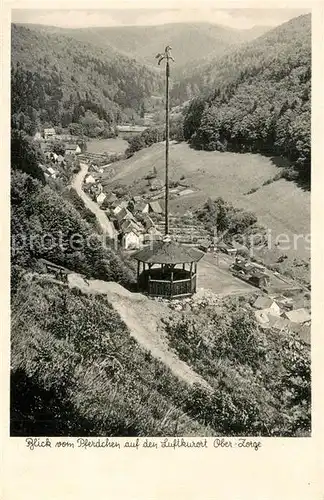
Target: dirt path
<point x="214" y="275"/>
<point x="143" y="319"/>
<point x="102" y="218"/>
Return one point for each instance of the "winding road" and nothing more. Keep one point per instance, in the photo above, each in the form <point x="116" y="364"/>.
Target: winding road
<point x="106" y="225"/>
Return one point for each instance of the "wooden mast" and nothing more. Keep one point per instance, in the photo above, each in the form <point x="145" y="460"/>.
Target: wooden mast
<point x="167" y="56"/>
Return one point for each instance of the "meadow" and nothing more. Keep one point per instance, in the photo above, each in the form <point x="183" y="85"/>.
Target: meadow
<point x="279" y="205"/>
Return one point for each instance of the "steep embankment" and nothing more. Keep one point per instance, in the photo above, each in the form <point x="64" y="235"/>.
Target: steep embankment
<point x="143" y="317"/>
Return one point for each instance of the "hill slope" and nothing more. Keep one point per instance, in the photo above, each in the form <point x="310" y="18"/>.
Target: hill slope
<point x="229" y="175"/>
<point x="57" y="79"/>
<point x="262" y="48"/>
<point x="190" y="41"/>
<point x="260" y="100"/>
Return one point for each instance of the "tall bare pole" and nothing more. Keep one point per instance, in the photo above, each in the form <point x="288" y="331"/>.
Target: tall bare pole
<point x="166" y="55"/>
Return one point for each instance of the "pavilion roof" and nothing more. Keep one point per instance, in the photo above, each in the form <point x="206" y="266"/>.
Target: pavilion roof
<point x="168" y="252"/>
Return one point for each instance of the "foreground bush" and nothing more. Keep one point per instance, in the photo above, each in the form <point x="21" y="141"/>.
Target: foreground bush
<point x="261" y="380"/>
<point x="77" y="371"/>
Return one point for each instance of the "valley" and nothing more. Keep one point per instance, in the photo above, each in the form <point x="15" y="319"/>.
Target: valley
<point x="281" y="205"/>
<point x="142" y="307"/>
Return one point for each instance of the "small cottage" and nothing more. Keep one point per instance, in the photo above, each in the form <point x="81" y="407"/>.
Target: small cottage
<point x="112" y="198"/>
<point x="52" y="172"/>
<point x="261" y="317"/>
<point x="72" y="149"/>
<point x="299" y="316"/>
<point x="101" y="198"/>
<point x="60" y="160"/>
<point x="278" y="323"/>
<point x="122" y="215"/>
<point x="267" y="305"/>
<point x="121" y="205"/>
<point x="89" y="179"/>
<point x="139" y="207"/>
<point x="131" y="235"/>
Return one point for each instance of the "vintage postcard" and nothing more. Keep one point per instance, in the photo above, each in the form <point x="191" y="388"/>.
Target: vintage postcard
<point x="162" y="317"/>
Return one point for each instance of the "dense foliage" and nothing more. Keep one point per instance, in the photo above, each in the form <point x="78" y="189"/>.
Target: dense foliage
<point x="77" y="371"/>
<point x="26" y="155"/>
<point x="153" y="135"/>
<point x="261" y="380"/>
<point x="44" y="225"/>
<point x="230" y="223"/>
<point x="144" y="42"/>
<point x="144" y="140"/>
<point x="261" y="98"/>
<point x="59" y="81"/>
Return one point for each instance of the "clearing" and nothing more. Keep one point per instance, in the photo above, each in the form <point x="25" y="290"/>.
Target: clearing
<point x="281" y="206"/>
<point x="107" y="145"/>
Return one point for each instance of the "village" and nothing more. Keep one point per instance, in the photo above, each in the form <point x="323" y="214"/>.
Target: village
<point x="138" y="221"/>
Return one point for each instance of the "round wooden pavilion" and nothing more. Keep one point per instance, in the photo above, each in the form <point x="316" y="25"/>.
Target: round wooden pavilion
<point x="167" y="269"/>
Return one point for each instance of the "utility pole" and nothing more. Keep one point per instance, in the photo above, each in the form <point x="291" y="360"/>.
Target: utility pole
<point x="166" y="55"/>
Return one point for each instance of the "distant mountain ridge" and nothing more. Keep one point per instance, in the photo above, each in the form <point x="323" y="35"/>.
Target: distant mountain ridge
<point x="218" y="71"/>
<point x="191" y="41"/>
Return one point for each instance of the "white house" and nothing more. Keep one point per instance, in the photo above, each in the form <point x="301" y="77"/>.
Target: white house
<point x="38" y="136"/>
<point x="261" y="317"/>
<point x="267" y="305"/>
<point x="131" y="236"/>
<point x="101" y="198"/>
<point x="52" y="172"/>
<point x="89" y="179"/>
<point x="72" y="149"/>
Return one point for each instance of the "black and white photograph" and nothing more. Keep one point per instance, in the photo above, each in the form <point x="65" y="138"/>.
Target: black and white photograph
<point x="160" y="216"/>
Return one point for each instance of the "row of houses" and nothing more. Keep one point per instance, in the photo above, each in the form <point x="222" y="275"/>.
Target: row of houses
<point x="130" y="217"/>
<point x="279" y="313"/>
<point x="135" y="228"/>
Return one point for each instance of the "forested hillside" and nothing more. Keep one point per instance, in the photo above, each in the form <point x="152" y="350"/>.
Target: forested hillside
<point x="191" y="41"/>
<point x="57" y="80"/>
<point x="260" y="100"/>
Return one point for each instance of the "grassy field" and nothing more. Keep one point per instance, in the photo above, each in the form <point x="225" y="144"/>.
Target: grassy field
<point x="107" y="145"/>
<point x="281" y="206"/>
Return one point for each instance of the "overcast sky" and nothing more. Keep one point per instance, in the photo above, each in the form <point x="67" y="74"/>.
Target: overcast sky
<point x="235" y="18"/>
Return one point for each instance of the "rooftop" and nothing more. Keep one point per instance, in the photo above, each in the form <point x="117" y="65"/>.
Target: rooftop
<point x="263" y="302"/>
<point x="298" y="315"/>
<point x="168" y="252"/>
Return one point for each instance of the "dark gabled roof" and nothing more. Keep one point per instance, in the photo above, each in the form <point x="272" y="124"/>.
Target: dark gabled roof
<point x="139" y="206"/>
<point x="123" y="213"/>
<point x="112" y="197"/>
<point x="168" y="252"/>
